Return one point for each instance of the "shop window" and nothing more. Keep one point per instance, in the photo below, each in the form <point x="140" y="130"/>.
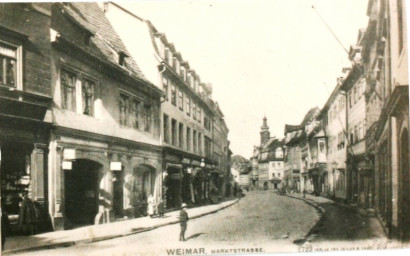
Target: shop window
<point x="199" y="143"/>
<point x="68" y="82"/>
<point x="10" y="66"/>
<point x="195" y="138"/>
<point x="88" y="97"/>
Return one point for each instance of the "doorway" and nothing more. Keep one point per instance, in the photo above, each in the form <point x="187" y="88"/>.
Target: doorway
<point x="81" y="193"/>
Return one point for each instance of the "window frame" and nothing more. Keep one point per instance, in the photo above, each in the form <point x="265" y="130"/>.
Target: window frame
<point x="18" y="76"/>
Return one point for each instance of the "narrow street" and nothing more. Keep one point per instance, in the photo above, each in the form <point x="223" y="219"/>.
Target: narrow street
<point x="262" y="219"/>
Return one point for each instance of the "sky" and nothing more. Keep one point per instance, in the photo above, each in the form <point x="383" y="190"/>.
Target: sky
<point x="263" y="57"/>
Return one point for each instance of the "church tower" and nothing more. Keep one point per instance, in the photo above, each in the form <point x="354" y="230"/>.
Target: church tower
<point x="265" y="134"/>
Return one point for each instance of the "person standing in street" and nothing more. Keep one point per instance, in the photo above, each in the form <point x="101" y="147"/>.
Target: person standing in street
<point x="151" y="203"/>
<point x="183" y="219"/>
<point x="160" y="208"/>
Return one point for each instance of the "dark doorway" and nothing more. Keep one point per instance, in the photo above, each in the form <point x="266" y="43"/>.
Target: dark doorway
<point x="118" y="193"/>
<point x="405" y="186"/>
<point x="81" y="193"/>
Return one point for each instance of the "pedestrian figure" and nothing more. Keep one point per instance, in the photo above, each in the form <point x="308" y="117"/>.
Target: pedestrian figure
<point x="161" y="208"/>
<point x="4" y="228"/>
<point x="150" y="209"/>
<point x="304" y="193"/>
<point x="183" y="219"/>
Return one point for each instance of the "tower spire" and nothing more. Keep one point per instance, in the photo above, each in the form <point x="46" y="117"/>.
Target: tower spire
<point x="265" y="134"/>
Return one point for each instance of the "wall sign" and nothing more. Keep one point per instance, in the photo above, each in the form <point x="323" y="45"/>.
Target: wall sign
<point x="67" y="165"/>
<point x="115" y="166"/>
<point x="69" y="154"/>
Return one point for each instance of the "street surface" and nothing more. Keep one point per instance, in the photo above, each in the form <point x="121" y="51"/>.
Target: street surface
<point x="262" y="219"/>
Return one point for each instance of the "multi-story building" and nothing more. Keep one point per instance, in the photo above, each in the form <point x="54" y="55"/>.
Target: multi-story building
<point x="333" y="116"/>
<point x="354" y="85"/>
<point x="220" y="173"/>
<point x="385" y="60"/>
<point x="295" y="146"/>
<point x="314" y="174"/>
<point x="104" y="155"/>
<point x="83" y="137"/>
<point x="187" y="114"/>
<point x="25" y="100"/>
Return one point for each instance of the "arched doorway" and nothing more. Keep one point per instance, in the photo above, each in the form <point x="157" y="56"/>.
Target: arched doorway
<point x="81" y="193"/>
<point x="405" y="186"/>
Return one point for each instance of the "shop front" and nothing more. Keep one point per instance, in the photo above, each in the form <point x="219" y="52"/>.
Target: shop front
<point x="24" y="139"/>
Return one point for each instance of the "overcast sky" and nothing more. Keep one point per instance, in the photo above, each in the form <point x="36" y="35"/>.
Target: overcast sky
<point x="263" y="57"/>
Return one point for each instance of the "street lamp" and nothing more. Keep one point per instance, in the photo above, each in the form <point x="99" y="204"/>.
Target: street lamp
<point x="202" y="163"/>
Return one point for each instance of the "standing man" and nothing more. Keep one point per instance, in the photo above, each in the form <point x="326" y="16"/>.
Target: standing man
<point x="183" y="219"/>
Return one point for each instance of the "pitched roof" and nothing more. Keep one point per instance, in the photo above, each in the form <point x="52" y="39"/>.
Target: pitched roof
<point x="105" y="44"/>
<point x="311" y="114"/>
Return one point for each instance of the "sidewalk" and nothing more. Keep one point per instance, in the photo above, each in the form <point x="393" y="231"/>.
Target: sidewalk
<point x="358" y="226"/>
<point x="94" y="233"/>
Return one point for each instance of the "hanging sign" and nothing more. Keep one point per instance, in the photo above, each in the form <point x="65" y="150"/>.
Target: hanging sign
<point x="69" y="154"/>
<point x="115" y="166"/>
<point x="67" y="165"/>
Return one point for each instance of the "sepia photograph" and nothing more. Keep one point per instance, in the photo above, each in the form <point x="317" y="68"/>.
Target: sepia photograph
<point x="207" y="127"/>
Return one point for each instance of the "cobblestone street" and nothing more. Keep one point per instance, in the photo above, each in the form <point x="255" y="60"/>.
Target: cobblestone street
<point x="262" y="219"/>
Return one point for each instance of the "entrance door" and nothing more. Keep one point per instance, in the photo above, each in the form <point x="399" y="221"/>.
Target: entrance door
<point x="118" y="189"/>
<point x="81" y="193"/>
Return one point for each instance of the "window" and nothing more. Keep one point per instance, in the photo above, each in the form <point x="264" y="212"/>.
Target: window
<point x="195" y="138"/>
<point x="123" y="109"/>
<point x="173" y="94"/>
<point x="207" y="123"/>
<point x="180" y="100"/>
<point x="182" y="73"/>
<point x="174" y="132"/>
<point x="273" y="174"/>
<point x="88" y="97"/>
<point x="135" y="113"/>
<point x="279" y="153"/>
<point x="279" y="164"/>
<point x="166" y="128"/>
<point x="166" y="55"/>
<point x="278" y="174"/>
<point x="147" y="117"/>
<point x="181" y="135"/>
<point x="8" y="65"/>
<point x="165" y="87"/>
<point x="188" y="106"/>
<point x="194" y="110"/>
<point x="188" y="138"/>
<point x="273" y="165"/>
<point x="207" y="147"/>
<point x="68" y="81"/>
<point x="199" y="143"/>
<point x="198" y="116"/>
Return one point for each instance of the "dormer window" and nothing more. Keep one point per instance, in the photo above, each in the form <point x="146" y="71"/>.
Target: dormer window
<point x="121" y="58"/>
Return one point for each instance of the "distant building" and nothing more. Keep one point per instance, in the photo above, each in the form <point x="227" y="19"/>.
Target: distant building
<point x="240" y="171"/>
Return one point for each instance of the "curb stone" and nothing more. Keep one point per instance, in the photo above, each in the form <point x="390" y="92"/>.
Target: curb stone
<point x="103" y="238"/>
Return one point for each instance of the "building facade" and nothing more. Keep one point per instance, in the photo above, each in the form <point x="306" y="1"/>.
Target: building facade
<point x="194" y="147"/>
<point x="25" y="100"/>
<point x="104" y="155"/>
